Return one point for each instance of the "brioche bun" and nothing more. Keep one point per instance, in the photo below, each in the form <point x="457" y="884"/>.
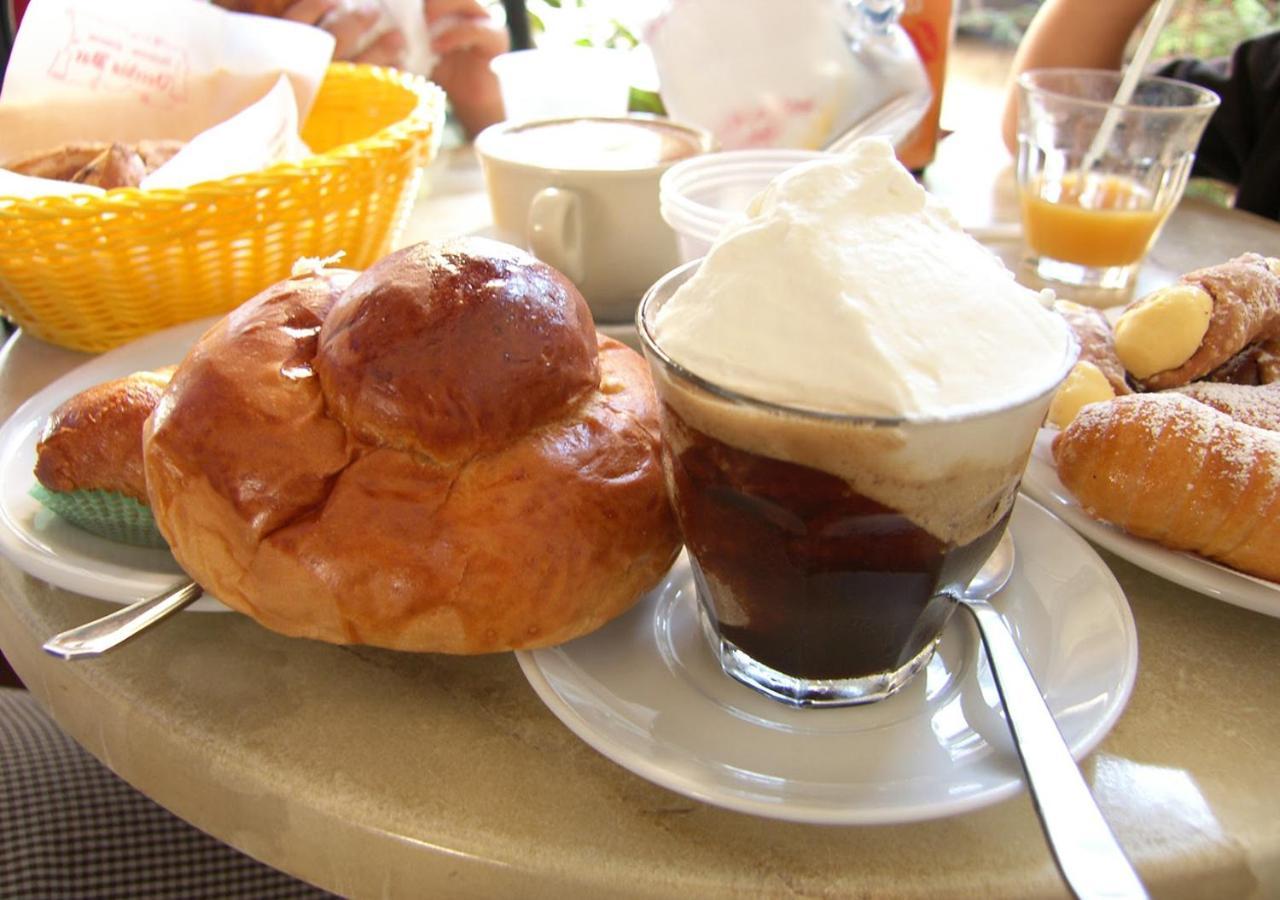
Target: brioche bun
<point x="439" y="454"/>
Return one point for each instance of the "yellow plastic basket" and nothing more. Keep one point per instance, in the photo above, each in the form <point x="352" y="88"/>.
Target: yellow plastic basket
<point x="93" y="272"/>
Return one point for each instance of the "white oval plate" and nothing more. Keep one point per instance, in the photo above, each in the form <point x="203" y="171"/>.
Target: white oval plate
<point x="1191" y="571"/>
<point x="646" y="692"/>
<point x="47" y="547"/>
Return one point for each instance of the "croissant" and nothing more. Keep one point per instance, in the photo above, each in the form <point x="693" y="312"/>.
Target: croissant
<point x="60" y="163"/>
<point x="1166" y="467"/>
<point x="1256" y="405"/>
<point x="117" y="166"/>
<point x="99" y="163"/>
<point x="156" y="153"/>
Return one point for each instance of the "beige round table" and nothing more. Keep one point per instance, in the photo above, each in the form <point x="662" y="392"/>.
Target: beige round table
<point x="374" y="773"/>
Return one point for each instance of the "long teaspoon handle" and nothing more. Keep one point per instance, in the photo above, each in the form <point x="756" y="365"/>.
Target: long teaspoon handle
<point x="110" y="631"/>
<point x="1083" y="845"/>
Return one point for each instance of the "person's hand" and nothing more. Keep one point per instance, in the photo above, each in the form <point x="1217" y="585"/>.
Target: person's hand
<point x="353" y="28"/>
<point x="466" y="39"/>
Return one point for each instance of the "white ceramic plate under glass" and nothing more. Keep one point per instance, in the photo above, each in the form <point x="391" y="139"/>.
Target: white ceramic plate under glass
<point x="44" y="545"/>
<point x="646" y="692"/>
<point x="1191" y="571"/>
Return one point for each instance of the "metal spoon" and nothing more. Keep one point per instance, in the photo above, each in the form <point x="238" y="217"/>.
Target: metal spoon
<point x="1083" y="846"/>
<point x="110" y="631"/>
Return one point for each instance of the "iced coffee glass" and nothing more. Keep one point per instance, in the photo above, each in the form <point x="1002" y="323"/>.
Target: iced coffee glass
<point x="1093" y="206"/>
<point x="827" y="549"/>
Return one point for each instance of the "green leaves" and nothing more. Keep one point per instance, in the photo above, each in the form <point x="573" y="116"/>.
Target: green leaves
<point x="1211" y="28"/>
<point x="643" y="101"/>
<point x="588" y="24"/>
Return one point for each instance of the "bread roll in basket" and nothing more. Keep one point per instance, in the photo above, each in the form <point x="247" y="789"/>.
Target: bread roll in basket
<point x="439" y="454"/>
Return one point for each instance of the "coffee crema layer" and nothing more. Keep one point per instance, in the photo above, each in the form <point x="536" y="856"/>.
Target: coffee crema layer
<point x="953" y="479"/>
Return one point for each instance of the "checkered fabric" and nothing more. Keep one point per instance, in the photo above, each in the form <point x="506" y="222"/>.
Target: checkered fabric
<point x="69" y="828"/>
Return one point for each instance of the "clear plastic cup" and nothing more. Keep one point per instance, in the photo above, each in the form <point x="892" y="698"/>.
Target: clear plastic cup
<point x="699" y="196"/>
<point x="555" y="82"/>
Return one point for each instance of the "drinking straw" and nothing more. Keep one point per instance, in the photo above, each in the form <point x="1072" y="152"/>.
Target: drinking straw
<point x="1128" y="82"/>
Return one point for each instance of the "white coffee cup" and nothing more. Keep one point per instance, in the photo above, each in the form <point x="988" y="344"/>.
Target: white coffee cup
<point x="582" y="195"/>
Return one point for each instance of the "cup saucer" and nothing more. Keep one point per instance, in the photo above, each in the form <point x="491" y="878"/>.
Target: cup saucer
<point x="647" y="692"/>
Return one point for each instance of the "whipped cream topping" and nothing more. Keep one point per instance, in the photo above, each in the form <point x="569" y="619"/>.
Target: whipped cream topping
<point x="849" y="289"/>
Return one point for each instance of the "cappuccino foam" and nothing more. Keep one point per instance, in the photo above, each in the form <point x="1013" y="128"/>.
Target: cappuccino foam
<point x="603" y="144"/>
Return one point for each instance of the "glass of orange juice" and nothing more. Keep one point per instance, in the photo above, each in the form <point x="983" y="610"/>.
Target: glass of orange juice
<point x="1097" y="179"/>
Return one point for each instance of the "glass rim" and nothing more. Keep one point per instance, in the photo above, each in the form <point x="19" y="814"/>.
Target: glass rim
<point x="682" y="272"/>
<point x="1205" y="98"/>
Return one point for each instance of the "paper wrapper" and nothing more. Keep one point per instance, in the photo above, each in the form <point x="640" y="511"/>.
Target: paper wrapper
<point x="104" y="513"/>
<point x="150" y="69"/>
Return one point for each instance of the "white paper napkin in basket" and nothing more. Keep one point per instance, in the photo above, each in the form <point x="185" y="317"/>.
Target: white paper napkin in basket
<point x="82" y="70"/>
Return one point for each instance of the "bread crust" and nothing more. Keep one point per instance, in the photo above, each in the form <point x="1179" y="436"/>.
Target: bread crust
<point x="116" y="167"/>
<point x="93" y="440"/>
<point x="356" y="517"/>
<point x="1170" y="468"/>
<point x="449" y="350"/>
<point x="99" y="163"/>
<point x="60" y="163"/>
<point x="273" y="8"/>
<point x="156" y="153"/>
<point x="1256" y="405"/>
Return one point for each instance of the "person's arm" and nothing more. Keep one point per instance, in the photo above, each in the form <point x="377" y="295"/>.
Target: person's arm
<point x="467" y="39"/>
<point x="1084" y="34"/>
<point x="463" y="34"/>
<point x="351" y="26"/>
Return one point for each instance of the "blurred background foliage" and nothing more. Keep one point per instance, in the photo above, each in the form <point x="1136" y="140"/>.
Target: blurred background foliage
<point x="598" y="23"/>
<point x="1209" y="28"/>
<point x="1201" y="28"/>
<point x="617" y="24"/>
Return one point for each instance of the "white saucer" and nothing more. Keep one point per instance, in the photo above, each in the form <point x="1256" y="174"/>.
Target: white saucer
<point x="43" y="544"/>
<point x="646" y="692"/>
<point x="1195" y="572"/>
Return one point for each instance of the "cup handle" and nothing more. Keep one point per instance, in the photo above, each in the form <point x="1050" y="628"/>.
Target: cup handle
<point x="555" y="231"/>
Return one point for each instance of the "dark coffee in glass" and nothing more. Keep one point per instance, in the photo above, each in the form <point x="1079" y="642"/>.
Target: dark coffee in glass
<point x="812" y="580"/>
<point x="827" y="549"/>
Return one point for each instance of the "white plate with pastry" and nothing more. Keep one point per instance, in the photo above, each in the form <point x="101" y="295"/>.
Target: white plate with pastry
<point x="646" y="692"/>
<point x="47" y="547"/>
<point x="1041" y="482"/>
<point x="1182" y="476"/>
